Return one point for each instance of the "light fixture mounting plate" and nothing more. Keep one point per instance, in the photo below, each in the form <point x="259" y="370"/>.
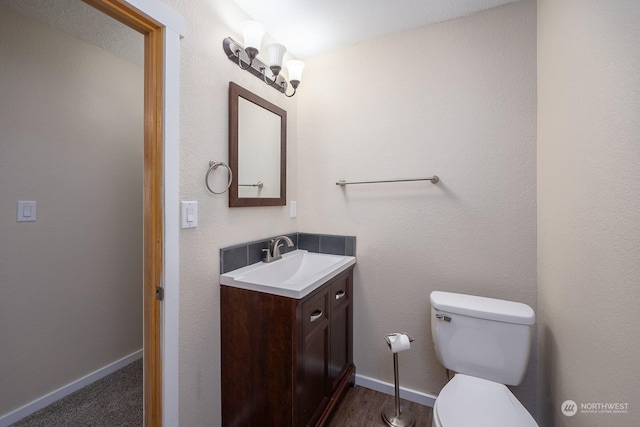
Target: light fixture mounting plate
<point x="231" y="46"/>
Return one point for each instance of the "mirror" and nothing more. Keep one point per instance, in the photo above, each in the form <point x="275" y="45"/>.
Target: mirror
<point x="257" y="150"/>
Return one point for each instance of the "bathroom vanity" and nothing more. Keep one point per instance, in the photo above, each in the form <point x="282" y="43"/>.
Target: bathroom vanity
<point x="286" y="361"/>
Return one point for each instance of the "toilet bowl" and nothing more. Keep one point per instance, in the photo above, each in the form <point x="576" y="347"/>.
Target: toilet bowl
<point x="486" y="342"/>
<point x="473" y="402"/>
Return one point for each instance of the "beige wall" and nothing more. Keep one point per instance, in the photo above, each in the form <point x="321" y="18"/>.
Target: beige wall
<point x="456" y="99"/>
<point x="205" y="73"/>
<point x="589" y="208"/>
<point x="70" y="138"/>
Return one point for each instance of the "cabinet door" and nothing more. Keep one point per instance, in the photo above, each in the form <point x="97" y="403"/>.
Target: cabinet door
<point x="341" y="328"/>
<point x="313" y="385"/>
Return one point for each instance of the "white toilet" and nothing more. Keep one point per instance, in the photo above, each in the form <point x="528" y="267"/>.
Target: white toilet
<point x="486" y="342"/>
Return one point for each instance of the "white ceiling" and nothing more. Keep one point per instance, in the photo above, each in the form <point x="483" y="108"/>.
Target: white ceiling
<point x="309" y="27"/>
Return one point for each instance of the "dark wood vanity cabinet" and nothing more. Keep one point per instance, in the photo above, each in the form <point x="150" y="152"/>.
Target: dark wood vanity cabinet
<point x="286" y="362"/>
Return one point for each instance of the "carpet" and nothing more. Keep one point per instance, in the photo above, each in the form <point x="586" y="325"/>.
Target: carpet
<point x="113" y="401"/>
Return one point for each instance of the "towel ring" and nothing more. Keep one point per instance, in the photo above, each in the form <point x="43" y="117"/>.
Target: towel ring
<point x="213" y="165"/>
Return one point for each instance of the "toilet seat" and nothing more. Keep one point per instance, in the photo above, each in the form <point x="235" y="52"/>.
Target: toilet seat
<point x="468" y="401"/>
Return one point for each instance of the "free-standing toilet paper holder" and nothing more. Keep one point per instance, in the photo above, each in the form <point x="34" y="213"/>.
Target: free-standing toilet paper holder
<point x="397" y="416"/>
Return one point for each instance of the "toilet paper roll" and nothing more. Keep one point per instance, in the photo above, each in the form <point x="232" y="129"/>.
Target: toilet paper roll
<point x="399" y="342"/>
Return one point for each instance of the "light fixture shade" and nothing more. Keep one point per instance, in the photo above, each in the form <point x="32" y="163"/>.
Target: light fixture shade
<point x="252" y="32"/>
<point x="295" y="69"/>
<point x="276" y="52"/>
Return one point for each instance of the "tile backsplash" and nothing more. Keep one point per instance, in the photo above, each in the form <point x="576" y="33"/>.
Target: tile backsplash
<point x="238" y="256"/>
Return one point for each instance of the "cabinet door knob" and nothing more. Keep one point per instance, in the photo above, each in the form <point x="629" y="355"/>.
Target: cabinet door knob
<point x="316" y="315"/>
<point x="340" y="294"/>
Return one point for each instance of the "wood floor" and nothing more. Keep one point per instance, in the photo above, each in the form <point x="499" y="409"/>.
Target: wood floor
<point x="363" y="407"/>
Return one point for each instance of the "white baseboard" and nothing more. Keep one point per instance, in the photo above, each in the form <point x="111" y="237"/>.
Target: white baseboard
<point x="49" y="398"/>
<point x="388" y="388"/>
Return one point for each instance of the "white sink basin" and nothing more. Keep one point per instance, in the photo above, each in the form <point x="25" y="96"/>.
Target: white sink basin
<point x="297" y="274"/>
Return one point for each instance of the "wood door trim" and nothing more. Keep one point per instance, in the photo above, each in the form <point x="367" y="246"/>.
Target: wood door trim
<point x="153" y="183"/>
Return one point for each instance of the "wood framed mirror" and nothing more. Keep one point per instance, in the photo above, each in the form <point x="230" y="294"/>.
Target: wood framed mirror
<point x="257" y="150"/>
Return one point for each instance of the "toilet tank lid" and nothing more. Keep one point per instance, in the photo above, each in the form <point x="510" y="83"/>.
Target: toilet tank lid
<point x="483" y="308"/>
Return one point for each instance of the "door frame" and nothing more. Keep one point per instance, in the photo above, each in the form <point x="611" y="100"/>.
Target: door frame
<point x="162" y="29"/>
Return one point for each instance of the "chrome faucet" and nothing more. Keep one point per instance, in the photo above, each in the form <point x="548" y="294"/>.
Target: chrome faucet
<point x="273" y="252"/>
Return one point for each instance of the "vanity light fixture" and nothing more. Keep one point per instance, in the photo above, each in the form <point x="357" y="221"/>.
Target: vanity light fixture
<point x="252" y="32"/>
<point x="246" y="58"/>
<point x="295" y="74"/>
<point x="275" y="52"/>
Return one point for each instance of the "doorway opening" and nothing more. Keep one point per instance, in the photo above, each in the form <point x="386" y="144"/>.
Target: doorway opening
<point x="153" y="209"/>
<point x="162" y="29"/>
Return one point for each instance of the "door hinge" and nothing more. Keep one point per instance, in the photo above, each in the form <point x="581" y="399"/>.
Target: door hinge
<point x="159" y="293"/>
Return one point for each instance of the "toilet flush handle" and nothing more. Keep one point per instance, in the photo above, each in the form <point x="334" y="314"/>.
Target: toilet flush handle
<point x="443" y="317"/>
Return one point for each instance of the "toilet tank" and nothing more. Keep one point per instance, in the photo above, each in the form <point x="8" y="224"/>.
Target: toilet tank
<point x="482" y="337"/>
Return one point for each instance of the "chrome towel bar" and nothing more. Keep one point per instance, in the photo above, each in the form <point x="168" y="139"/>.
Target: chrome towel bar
<point x="258" y="184"/>
<point x="434" y="180"/>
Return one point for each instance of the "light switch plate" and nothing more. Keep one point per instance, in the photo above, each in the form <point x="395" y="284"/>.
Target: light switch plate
<point x="189" y="214"/>
<point x="293" y="209"/>
<point x="26" y="211"/>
